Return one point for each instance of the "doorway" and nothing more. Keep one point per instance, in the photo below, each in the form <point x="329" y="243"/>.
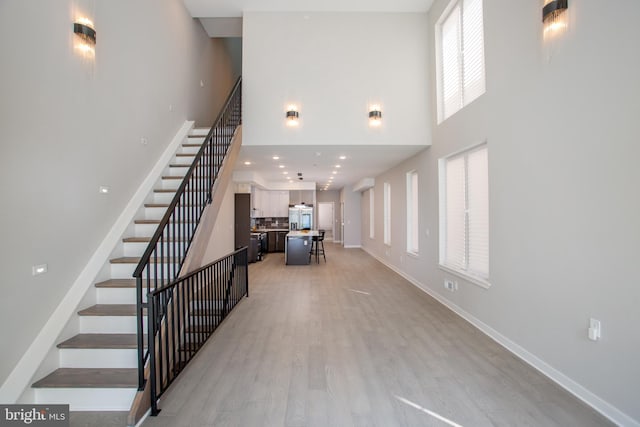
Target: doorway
<point x="326" y="219"/>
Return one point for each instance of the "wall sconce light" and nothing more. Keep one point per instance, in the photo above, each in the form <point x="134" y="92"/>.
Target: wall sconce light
<point x="85" y="36"/>
<point x="553" y="16"/>
<point x="292" y="116"/>
<point x="375" y="116"/>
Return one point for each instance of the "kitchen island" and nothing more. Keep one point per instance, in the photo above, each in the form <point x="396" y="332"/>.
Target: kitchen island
<point x="298" y="246"/>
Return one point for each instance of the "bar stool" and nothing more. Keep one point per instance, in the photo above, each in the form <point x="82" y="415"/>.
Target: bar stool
<point x="317" y="247"/>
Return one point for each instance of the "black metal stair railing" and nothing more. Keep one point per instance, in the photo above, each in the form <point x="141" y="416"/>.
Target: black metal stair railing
<point x="184" y="314"/>
<point x="162" y="261"/>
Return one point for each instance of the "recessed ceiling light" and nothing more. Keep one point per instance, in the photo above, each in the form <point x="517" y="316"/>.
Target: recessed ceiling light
<point x="281" y="166"/>
<point x="338" y="166"/>
<point x="276" y="157"/>
<point x="334" y="172"/>
<point x="343" y="157"/>
<point x="285" y="173"/>
<point x="247" y="163"/>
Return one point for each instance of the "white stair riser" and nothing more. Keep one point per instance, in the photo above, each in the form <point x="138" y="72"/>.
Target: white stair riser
<point x="165" y="198"/>
<point x="154" y="213"/>
<point x="137" y="249"/>
<point x="178" y="171"/>
<point x="88" y="399"/>
<point x="98" y="358"/>
<point x="170" y="184"/>
<point x="109" y="325"/>
<point x="125" y="271"/>
<point x="182" y="159"/>
<point x="190" y="150"/>
<point x="144" y="230"/>
<point x="116" y="295"/>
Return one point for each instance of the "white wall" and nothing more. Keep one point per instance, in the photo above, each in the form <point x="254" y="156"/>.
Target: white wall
<point x="69" y="125"/>
<point x="561" y="126"/>
<point x="221" y="242"/>
<point x="333" y="65"/>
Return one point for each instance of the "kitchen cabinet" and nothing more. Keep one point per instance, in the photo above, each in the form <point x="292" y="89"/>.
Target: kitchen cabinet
<point x="270" y="204"/>
<point x="276" y="240"/>
<point x="282" y="238"/>
<point x="297" y="197"/>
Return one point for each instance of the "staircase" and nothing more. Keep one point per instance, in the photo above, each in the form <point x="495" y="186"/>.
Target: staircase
<point x="98" y="367"/>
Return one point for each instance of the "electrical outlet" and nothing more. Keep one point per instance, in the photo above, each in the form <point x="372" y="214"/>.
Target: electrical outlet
<point x="450" y="285"/>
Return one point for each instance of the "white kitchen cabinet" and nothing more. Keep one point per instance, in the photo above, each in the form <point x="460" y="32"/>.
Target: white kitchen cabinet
<point x="270" y="204"/>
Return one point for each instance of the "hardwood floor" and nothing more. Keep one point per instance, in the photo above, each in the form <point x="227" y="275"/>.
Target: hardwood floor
<point x="351" y="343"/>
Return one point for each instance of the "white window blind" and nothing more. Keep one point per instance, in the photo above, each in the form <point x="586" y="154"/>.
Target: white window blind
<point x="412" y="212"/>
<point x="461" y="74"/>
<point x="464" y="213"/>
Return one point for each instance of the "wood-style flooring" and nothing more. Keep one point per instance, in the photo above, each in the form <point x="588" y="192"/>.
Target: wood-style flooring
<point x="351" y="343"/>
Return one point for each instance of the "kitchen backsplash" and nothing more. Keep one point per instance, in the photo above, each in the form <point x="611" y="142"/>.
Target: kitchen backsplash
<point x="272" y="222"/>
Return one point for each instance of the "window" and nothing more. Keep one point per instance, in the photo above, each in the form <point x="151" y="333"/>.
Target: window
<point x="464" y="214"/>
<point x="387" y="213"/>
<point x="460" y="56"/>
<point x="412" y="212"/>
<point x="371" y="214"/>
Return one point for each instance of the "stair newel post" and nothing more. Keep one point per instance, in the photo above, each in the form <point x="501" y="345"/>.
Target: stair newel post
<point x="140" y="337"/>
<point x="152" y="354"/>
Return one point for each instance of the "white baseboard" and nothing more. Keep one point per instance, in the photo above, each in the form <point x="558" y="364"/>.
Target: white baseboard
<point x="606" y="409"/>
<point x="20" y="378"/>
<point x="352" y="246"/>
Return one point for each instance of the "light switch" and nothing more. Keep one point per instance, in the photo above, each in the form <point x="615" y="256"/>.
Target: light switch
<point x="595" y="330"/>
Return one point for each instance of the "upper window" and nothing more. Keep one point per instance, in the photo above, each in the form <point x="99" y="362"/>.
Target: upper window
<point x="460" y="56"/>
<point x="412" y="212"/>
<point x="464" y="214"/>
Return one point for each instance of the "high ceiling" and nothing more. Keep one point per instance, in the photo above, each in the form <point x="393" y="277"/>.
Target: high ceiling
<point x="316" y="163"/>
<point x="235" y="8"/>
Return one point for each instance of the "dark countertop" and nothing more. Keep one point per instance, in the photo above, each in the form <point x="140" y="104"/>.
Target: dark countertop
<point x="264" y="230"/>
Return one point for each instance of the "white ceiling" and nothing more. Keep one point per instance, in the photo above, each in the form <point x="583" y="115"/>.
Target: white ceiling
<point x="235" y="8"/>
<point x="316" y="163"/>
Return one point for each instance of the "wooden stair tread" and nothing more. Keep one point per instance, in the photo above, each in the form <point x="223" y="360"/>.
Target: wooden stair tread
<point x="186" y="154"/>
<point x="136" y="260"/>
<point x="102" y="341"/>
<point x="156" y="205"/>
<point x="117" y="283"/>
<point x="109" y="310"/>
<point x="90" y="378"/>
<point x="147" y="240"/>
<point x="172" y="177"/>
<point x="154" y="221"/>
<point x="190" y="144"/>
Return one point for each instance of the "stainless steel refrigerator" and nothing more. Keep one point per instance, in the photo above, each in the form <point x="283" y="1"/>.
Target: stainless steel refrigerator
<point x="301" y="218"/>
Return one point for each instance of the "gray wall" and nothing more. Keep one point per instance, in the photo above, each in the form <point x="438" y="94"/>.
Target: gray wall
<point x="69" y="125"/>
<point x="560" y="119"/>
<point x="352" y="217"/>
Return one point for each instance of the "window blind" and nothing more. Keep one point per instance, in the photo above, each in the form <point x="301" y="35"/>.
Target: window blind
<point x="465" y="213"/>
<point x="461" y="56"/>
